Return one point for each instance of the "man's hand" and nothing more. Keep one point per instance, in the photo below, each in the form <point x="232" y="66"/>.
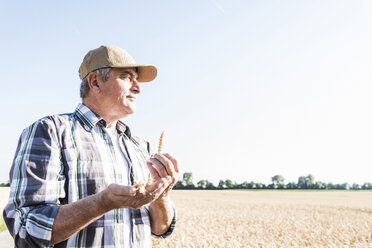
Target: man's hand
<point x="162" y="165"/>
<point x="74" y="216"/>
<point x="119" y="196"/>
<point x="162" y="213"/>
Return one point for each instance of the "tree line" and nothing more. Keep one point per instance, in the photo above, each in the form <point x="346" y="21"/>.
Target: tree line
<point x="277" y="182"/>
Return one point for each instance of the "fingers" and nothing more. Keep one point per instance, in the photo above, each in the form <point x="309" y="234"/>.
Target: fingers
<point x="119" y="196"/>
<point x="159" y="185"/>
<point x="116" y="196"/>
<point x="154" y="173"/>
<point x="174" y="161"/>
<point x="153" y="191"/>
<point x="164" y="165"/>
<point x="175" y="164"/>
<point x="121" y="190"/>
<point x="164" y="171"/>
<point x="158" y="166"/>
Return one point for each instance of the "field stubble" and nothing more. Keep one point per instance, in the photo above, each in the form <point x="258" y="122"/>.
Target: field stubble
<point x="271" y="219"/>
<point x="267" y="219"/>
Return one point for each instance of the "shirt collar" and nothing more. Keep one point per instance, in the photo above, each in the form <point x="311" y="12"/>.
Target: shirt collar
<point x="89" y="119"/>
<point x="122" y="128"/>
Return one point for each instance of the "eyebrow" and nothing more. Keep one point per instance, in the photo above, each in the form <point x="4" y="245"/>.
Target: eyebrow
<point x="130" y="73"/>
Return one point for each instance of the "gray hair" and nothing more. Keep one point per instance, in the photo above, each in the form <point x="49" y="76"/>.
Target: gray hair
<point x="103" y="73"/>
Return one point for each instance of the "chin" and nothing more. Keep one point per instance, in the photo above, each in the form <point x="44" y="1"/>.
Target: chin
<point x="131" y="111"/>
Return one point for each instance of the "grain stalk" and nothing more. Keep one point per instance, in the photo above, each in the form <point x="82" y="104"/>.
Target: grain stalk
<point x="160" y="147"/>
<point x="141" y="186"/>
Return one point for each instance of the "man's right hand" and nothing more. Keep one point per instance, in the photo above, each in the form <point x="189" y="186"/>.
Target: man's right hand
<point x="120" y="196"/>
<point x="72" y="217"/>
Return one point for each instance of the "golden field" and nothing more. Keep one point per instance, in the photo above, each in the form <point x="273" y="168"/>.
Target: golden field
<point x="268" y="219"/>
<point x="271" y="219"/>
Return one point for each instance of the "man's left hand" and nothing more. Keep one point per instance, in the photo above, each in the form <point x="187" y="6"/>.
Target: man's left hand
<point x="162" y="165"/>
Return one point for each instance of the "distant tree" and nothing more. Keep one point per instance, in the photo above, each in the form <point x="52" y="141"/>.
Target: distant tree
<point x="301" y="182"/>
<point x="209" y="185"/>
<point x="345" y="186"/>
<point x="310" y="180"/>
<point x="331" y="186"/>
<point x="229" y="184"/>
<point x="241" y="185"/>
<point x="270" y="186"/>
<point x="367" y="186"/>
<point x="319" y="185"/>
<point x="202" y="184"/>
<point x="187" y="178"/>
<point x="250" y="185"/>
<point x="260" y="186"/>
<point x="190" y="186"/>
<point x="278" y="181"/>
<point x="5" y="184"/>
<point x="186" y="182"/>
<point x="179" y="185"/>
<point x="236" y="185"/>
<point x="244" y="185"/>
<point x="306" y="182"/>
<point x="291" y="185"/>
<point x="221" y="184"/>
<point x="355" y="186"/>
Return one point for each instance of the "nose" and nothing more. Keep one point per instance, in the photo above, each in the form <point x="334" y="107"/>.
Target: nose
<point x="136" y="86"/>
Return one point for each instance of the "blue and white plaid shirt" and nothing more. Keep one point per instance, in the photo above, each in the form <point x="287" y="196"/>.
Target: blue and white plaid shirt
<point x="63" y="158"/>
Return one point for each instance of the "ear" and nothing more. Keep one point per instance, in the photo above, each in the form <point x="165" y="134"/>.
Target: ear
<point x="93" y="82"/>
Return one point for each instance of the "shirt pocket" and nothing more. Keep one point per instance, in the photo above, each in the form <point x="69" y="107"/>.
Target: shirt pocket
<point x="85" y="173"/>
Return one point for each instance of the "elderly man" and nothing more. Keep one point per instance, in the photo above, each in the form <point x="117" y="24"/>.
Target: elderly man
<point x="73" y="175"/>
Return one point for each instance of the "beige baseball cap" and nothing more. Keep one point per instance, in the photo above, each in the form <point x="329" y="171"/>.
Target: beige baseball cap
<point x="114" y="57"/>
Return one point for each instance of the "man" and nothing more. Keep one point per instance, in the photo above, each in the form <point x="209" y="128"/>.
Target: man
<point x="73" y="175"/>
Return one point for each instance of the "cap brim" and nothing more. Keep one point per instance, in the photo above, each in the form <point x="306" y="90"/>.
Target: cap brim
<point x="147" y="73"/>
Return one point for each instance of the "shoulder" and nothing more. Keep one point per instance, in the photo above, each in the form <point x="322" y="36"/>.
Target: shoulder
<point x="53" y="120"/>
<point x="46" y="125"/>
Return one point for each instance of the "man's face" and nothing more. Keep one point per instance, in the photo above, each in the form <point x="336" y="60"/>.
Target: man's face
<point x="120" y="91"/>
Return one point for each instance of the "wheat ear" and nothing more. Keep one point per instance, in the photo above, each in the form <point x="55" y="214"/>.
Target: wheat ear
<point x="161" y="142"/>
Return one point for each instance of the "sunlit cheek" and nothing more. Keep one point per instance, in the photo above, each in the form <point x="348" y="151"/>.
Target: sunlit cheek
<point x="123" y="97"/>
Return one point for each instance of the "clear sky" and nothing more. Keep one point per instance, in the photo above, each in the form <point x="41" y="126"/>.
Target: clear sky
<point x="245" y="90"/>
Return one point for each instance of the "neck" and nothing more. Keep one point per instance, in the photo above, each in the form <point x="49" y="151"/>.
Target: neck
<point x="110" y="118"/>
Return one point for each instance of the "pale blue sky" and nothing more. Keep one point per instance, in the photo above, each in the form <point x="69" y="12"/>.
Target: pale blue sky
<point x="245" y="90"/>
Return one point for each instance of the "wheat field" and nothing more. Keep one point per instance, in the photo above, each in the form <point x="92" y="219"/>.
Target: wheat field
<point x="268" y="219"/>
<point x="271" y="219"/>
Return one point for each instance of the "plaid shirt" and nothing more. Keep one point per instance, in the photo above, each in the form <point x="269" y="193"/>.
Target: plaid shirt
<point x="63" y="158"/>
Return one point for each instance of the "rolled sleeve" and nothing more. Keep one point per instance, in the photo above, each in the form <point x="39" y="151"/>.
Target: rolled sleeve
<point x="37" y="184"/>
